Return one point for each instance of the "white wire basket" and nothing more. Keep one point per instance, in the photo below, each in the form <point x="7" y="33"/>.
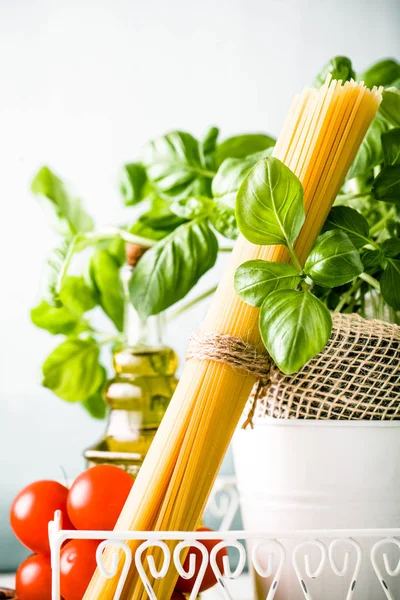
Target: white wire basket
<point x="312" y="554"/>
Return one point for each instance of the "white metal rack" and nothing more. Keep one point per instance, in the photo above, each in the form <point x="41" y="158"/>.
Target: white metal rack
<point x="312" y="553"/>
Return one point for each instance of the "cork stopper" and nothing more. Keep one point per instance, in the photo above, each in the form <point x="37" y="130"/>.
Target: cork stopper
<point x="133" y="253"/>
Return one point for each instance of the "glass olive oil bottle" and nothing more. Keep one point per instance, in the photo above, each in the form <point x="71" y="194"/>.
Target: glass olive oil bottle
<point x="139" y="393"/>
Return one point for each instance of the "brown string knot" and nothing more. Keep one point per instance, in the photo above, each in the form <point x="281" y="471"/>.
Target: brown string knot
<point x="236" y="353"/>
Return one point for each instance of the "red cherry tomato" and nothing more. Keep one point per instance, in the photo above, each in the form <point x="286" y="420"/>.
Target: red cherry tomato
<point x="97" y="497"/>
<point x="32" y="510"/>
<point x="33" y="579"/>
<point x="185" y="586"/>
<point x="77" y="565"/>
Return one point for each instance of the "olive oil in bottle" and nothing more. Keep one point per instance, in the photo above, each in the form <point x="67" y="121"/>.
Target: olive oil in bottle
<point x="139" y="393"/>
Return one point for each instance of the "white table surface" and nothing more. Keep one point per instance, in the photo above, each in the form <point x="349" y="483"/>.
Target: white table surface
<point x="241" y="589"/>
<point x="7" y="580"/>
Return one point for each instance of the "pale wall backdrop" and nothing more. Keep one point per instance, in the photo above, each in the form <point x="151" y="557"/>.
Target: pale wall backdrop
<point x="83" y="84"/>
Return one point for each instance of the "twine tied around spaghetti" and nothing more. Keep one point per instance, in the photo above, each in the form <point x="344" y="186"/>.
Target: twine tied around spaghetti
<point x="238" y="354"/>
<point x="355" y="377"/>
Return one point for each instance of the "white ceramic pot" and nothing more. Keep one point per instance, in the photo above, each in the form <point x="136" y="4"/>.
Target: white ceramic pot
<point x="305" y="474"/>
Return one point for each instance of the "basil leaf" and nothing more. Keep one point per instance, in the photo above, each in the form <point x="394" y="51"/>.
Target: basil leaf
<point x="76" y="295"/>
<point x="269" y="204"/>
<point x="158" y="222"/>
<point x="64" y="213"/>
<point x="351" y="222"/>
<point x="54" y="320"/>
<point x="225" y="186"/>
<point x="256" y="156"/>
<point x="390" y="283"/>
<point x="390" y="106"/>
<point x="229" y="177"/>
<point x="391" y="147"/>
<point x="393" y="225"/>
<point x="370" y="152"/>
<point x="72" y="371"/>
<point x="295" y="326"/>
<point x="192" y="208"/>
<point x="371" y="259"/>
<point x="133" y="179"/>
<point x="160" y="213"/>
<point x="223" y="219"/>
<point x="167" y="221"/>
<point x="208" y="147"/>
<point x="255" y="279"/>
<point x="334" y="260"/>
<point x="117" y="249"/>
<point x="142" y="229"/>
<point x="383" y="72"/>
<point x="340" y="67"/>
<point x="391" y="247"/>
<point x="169" y="270"/>
<point x="174" y="166"/>
<point x="232" y="171"/>
<point x="53" y="272"/>
<point x="386" y="186"/>
<point x="95" y="405"/>
<point x="240" y="146"/>
<point x="104" y="273"/>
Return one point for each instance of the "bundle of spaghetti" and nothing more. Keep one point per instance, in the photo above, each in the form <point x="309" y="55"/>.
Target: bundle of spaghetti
<point x="318" y="142"/>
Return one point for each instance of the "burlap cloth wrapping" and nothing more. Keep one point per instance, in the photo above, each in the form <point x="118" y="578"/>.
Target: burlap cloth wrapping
<point x="357" y="376"/>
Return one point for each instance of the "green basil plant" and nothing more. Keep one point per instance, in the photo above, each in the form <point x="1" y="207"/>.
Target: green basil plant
<point x="195" y="194"/>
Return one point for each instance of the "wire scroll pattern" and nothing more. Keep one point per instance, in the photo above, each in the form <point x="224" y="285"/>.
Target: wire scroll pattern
<point x="313" y="553"/>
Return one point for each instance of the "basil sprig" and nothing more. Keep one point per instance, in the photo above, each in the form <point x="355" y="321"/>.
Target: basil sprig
<point x="183" y="214"/>
<point x="181" y="196"/>
<point x="368" y="207"/>
<point x="294" y="324"/>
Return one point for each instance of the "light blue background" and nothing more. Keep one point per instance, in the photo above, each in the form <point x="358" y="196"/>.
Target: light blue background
<point x="84" y="85"/>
